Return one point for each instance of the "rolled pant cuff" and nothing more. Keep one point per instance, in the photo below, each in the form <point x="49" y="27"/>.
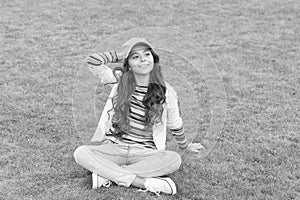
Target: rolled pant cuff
<point x="128" y="179"/>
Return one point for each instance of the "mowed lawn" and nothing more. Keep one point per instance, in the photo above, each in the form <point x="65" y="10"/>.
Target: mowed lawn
<point x="255" y="46"/>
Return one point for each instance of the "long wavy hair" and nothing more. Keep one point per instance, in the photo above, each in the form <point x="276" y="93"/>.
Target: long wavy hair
<point x="153" y="100"/>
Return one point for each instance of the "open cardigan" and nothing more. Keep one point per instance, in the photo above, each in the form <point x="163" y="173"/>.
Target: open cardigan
<point x="171" y="118"/>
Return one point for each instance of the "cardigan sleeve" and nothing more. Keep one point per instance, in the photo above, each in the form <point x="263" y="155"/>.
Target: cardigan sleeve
<point x="97" y="59"/>
<point x="97" y="65"/>
<point x="174" y="120"/>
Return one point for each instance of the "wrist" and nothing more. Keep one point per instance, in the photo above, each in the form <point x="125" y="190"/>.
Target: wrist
<point x="184" y="146"/>
<point x="119" y="56"/>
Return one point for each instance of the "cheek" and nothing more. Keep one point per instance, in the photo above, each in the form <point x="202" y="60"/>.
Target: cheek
<point x="131" y="63"/>
<point x="152" y="59"/>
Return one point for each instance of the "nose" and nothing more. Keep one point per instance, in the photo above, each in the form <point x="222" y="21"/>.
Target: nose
<point x="143" y="59"/>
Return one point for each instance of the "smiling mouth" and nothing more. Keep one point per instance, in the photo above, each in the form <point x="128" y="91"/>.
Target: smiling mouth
<point x="144" y="65"/>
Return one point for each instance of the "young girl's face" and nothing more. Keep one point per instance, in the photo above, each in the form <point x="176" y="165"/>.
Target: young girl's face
<point x="141" y="60"/>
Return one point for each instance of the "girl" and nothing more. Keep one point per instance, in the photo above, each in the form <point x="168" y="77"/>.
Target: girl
<point x="131" y="133"/>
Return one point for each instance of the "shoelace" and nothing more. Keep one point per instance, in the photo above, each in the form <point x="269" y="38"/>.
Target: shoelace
<point x="150" y="189"/>
<point x="107" y="184"/>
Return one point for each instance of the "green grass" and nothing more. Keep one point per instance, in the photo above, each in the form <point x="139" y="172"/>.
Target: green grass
<point x="254" y="44"/>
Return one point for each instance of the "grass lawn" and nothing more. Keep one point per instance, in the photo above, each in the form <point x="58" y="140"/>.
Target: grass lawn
<point x="244" y="107"/>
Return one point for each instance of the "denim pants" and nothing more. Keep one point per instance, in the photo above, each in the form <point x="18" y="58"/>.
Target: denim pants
<point x="121" y="163"/>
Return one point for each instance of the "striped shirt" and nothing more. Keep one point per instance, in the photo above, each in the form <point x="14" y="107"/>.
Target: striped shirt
<point x="137" y="132"/>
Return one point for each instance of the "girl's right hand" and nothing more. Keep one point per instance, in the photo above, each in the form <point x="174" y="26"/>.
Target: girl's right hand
<point x="98" y="70"/>
<point x="104" y="73"/>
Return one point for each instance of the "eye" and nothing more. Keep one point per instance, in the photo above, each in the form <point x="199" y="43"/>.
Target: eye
<point x="134" y="56"/>
<point x="148" y="53"/>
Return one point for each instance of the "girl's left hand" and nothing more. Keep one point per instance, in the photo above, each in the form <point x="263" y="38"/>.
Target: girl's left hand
<point x="195" y="147"/>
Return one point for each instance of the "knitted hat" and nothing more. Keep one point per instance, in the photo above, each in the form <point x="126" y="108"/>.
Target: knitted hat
<point x="127" y="46"/>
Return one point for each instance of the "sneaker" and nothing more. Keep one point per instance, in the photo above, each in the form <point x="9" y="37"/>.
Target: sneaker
<point x="157" y="185"/>
<point x="99" y="181"/>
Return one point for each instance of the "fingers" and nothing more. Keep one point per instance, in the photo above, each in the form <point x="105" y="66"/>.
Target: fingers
<point x="200" y="146"/>
<point x="99" y="70"/>
<point x="196" y="147"/>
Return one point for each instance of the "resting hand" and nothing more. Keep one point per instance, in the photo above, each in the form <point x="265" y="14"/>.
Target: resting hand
<point x="195" y="147"/>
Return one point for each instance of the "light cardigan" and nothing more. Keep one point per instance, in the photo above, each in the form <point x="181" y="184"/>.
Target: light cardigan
<point x="171" y="118"/>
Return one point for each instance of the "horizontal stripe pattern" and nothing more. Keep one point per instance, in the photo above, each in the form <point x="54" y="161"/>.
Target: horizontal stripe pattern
<point x="137" y="133"/>
<point x="102" y="58"/>
<point x="180" y="137"/>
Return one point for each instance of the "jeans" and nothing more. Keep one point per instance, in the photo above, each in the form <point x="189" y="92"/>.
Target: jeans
<point x="121" y="163"/>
